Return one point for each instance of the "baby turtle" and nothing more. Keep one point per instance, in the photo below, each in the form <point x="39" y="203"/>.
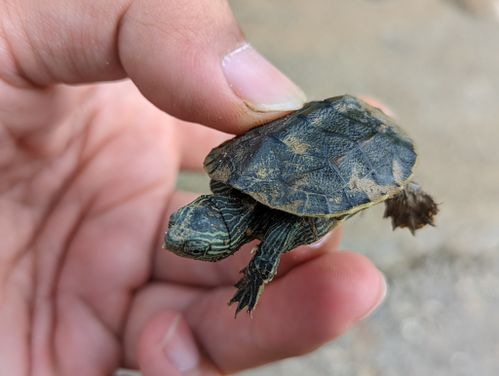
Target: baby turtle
<point x="291" y="181"/>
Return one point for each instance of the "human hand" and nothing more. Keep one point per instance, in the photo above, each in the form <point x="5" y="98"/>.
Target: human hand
<point x="87" y="183"/>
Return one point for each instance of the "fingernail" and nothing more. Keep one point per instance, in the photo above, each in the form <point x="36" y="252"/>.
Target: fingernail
<point x="322" y="241"/>
<point x="258" y="83"/>
<point x="179" y="346"/>
<point x="330" y="241"/>
<point x="379" y="299"/>
<point x="375" y="103"/>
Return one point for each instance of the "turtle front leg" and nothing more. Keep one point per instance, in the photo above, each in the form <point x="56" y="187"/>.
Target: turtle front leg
<point x="287" y="232"/>
<point x="260" y="271"/>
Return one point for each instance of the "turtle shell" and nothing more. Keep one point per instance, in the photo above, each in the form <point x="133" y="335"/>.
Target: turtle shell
<point x="331" y="158"/>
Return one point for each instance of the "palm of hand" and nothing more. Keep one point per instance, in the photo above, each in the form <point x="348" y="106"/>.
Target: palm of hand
<point x="87" y="187"/>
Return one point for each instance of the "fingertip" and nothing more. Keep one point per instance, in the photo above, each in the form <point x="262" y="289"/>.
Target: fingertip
<point x="167" y="347"/>
<point x="382" y="293"/>
<point x="329" y="242"/>
<point x="378" y="104"/>
<point x="199" y="68"/>
<point x="315" y="302"/>
<point x="261" y="86"/>
<point x="318" y="301"/>
<point x="150" y="355"/>
<point x="350" y="288"/>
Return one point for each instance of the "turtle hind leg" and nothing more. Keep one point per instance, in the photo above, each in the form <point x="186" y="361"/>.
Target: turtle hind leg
<point x="412" y="208"/>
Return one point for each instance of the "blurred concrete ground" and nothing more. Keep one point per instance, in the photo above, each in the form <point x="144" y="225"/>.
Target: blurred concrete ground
<point x="436" y="64"/>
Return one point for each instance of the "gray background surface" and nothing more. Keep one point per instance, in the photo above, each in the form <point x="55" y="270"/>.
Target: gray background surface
<point x="436" y="64"/>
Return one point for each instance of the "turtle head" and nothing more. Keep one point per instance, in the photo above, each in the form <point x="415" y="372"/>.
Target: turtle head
<point x="198" y="231"/>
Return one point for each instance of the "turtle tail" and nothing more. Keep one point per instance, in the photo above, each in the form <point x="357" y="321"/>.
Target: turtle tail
<point x="412" y="208"/>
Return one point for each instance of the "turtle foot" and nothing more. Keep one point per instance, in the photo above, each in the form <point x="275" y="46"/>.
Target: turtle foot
<point x="249" y="289"/>
<point x="412" y="208"/>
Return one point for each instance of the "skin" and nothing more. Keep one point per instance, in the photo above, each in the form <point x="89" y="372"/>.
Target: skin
<point x="88" y="181"/>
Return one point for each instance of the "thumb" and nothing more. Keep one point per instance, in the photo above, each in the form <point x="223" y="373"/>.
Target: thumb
<point x="188" y="57"/>
<point x="167" y="347"/>
<point x="192" y="61"/>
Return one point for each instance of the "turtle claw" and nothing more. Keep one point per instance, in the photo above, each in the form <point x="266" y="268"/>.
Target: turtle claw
<point x="249" y="290"/>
